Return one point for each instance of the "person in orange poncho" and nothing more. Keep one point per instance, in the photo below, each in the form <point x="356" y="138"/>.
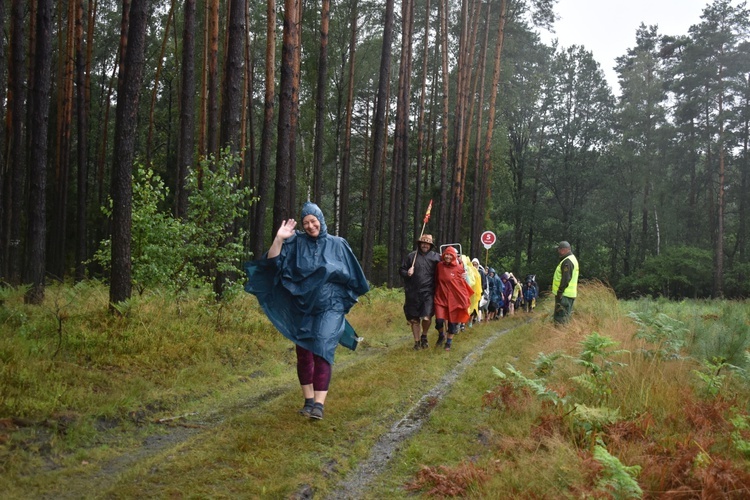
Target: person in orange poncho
<point x="452" y="296"/>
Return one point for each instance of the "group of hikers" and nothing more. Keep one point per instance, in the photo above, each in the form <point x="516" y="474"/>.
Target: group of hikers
<point x="457" y="291"/>
<point x="309" y="280"/>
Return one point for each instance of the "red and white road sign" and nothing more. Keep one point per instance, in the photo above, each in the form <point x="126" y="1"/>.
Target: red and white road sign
<point x="488" y="239"/>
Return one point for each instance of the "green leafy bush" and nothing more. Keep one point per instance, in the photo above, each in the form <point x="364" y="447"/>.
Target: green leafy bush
<point x="669" y="335"/>
<point x="678" y="272"/>
<point x="178" y="254"/>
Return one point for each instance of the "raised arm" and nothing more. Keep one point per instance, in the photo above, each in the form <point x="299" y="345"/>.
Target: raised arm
<point x="285" y="231"/>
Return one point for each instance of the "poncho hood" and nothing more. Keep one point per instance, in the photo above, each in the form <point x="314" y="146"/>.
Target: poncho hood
<point x="451" y="251"/>
<point x="310" y="208"/>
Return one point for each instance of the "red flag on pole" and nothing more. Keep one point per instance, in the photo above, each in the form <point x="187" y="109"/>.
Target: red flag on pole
<point x="427" y="215"/>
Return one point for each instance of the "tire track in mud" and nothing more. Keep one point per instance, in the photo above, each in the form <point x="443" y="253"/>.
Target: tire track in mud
<point x="155" y="443"/>
<point x="354" y="485"/>
<point x="183" y="429"/>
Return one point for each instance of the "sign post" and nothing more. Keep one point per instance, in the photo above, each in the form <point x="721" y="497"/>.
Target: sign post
<point x="488" y="239"/>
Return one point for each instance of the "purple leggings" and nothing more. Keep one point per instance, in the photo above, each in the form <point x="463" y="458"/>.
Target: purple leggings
<point x="312" y="369"/>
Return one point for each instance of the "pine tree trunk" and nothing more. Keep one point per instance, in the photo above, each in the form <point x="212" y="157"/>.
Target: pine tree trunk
<point x="39" y="104"/>
<point x="479" y="192"/>
<point x="231" y="112"/>
<point x="444" y="187"/>
<point x="186" y="146"/>
<point x="378" y="140"/>
<point x="399" y="170"/>
<point x="155" y="87"/>
<point x="346" y="155"/>
<point x="13" y="193"/>
<point x="320" y="102"/>
<point x="421" y="123"/>
<point x="744" y="180"/>
<point x="66" y="77"/>
<point x="124" y="152"/>
<point x="234" y="69"/>
<point x="82" y="110"/>
<point x="486" y="163"/>
<point x="283" y="196"/>
<point x="266" y="133"/>
<point x="212" y="103"/>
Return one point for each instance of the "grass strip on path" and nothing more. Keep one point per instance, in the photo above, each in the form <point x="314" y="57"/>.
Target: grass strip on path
<point x="354" y="485"/>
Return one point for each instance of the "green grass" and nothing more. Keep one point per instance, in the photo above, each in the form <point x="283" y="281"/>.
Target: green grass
<point x="74" y="418"/>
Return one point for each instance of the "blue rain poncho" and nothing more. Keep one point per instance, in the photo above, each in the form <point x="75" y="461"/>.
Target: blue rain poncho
<point x="309" y="287"/>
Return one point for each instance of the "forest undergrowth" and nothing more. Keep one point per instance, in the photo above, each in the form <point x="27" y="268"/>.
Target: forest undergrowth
<point x="641" y="399"/>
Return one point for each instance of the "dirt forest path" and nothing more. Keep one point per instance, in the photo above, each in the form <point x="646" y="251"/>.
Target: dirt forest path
<point x="358" y="480"/>
<point x="162" y="453"/>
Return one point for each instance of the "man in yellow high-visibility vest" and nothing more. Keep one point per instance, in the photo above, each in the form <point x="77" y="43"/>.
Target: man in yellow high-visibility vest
<point x="565" y="283"/>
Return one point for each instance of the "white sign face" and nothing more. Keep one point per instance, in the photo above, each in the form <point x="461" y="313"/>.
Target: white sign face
<point x="488" y="239"/>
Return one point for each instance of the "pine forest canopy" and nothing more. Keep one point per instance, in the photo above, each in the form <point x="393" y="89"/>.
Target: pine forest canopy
<point x="123" y="123"/>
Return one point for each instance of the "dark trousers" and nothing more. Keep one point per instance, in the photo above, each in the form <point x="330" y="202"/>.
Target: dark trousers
<point x="563" y="309"/>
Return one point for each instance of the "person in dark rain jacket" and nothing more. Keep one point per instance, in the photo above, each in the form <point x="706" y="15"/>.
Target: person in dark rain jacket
<point x="418" y="272"/>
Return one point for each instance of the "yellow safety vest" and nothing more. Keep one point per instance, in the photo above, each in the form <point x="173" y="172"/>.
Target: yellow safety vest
<point x="571" y="291"/>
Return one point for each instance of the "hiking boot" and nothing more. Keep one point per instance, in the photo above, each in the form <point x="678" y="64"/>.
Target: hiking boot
<point x="440" y="340"/>
<point x="423" y="342"/>
<point x="417" y="346"/>
<point x="317" y="412"/>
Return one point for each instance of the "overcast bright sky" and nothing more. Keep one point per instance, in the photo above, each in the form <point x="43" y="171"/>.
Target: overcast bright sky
<point x="607" y="27"/>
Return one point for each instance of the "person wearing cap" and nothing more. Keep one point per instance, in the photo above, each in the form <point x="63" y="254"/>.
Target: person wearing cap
<point x="306" y="283"/>
<point x="452" y="296"/>
<point x="418" y="271"/>
<point x="565" y="283"/>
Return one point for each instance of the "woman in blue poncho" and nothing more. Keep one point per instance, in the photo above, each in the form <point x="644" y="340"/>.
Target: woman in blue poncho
<point x="306" y="283"/>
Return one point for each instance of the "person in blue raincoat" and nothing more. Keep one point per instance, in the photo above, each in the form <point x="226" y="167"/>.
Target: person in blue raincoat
<point x="495" y="287"/>
<point x="306" y="283"/>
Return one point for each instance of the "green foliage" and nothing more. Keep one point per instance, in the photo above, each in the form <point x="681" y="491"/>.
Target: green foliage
<point x="711" y="376"/>
<point x="536" y="386"/>
<point x="741" y="424"/>
<point x="180" y="254"/>
<point x="668" y="334"/>
<point x="544" y="363"/>
<point x="678" y="272"/>
<point x="617" y="479"/>
<point x="737" y="280"/>
<point x="722" y="332"/>
<point x="592" y="419"/>
<point x="379" y="255"/>
<point x="596" y="358"/>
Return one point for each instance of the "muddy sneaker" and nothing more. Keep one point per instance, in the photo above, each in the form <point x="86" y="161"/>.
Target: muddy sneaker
<point x="440" y="340"/>
<point x="423" y="342"/>
<point x="417" y="346"/>
<point x="317" y="412"/>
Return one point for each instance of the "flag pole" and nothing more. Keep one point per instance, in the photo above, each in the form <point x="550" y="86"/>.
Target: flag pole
<point x="424" y="223"/>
